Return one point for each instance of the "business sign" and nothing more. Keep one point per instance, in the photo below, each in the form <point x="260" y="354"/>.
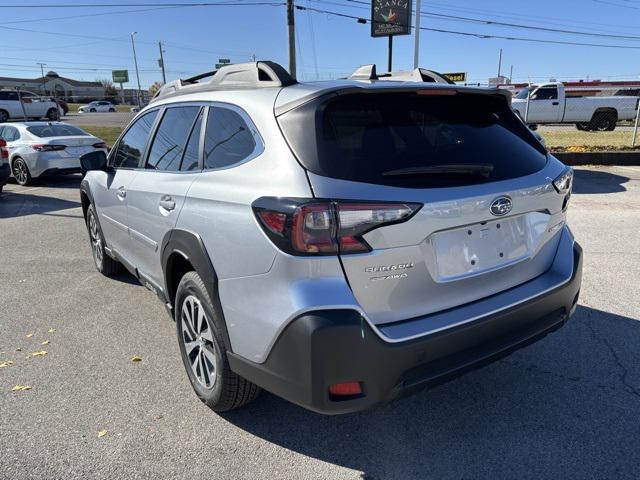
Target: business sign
<point x="120" y="76"/>
<point x="224" y="60"/>
<point x="456" y="77"/>
<point x="390" y="17"/>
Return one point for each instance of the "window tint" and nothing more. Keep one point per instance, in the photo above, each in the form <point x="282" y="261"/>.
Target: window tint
<point x="364" y="137"/>
<point x="131" y="146"/>
<point x="8" y="95"/>
<point x="171" y="138"/>
<point x="228" y="139"/>
<point x="56" y="130"/>
<point x="546" y="93"/>
<point x="192" y="152"/>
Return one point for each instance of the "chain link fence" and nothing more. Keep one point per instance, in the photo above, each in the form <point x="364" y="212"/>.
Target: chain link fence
<point x="581" y="118"/>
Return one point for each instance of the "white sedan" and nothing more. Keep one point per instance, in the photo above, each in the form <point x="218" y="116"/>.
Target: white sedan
<point x="35" y="149"/>
<point x="97" y="106"/>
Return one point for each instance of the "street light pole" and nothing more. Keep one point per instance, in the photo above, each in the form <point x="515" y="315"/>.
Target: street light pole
<point x="291" y="32"/>
<point x="416" y="47"/>
<point x="44" y="82"/>
<point x="164" y="77"/>
<point x="135" y="61"/>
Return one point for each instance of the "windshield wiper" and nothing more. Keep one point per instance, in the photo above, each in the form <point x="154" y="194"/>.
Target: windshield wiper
<point x="471" y="169"/>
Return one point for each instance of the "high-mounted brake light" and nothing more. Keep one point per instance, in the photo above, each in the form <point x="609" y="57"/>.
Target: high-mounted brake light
<point x="48" y="147"/>
<point x="318" y="227"/>
<point x="437" y="91"/>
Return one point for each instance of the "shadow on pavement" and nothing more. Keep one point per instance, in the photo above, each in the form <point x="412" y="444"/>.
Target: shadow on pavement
<point x="16" y="204"/>
<point x="598" y="181"/>
<point x="565" y="407"/>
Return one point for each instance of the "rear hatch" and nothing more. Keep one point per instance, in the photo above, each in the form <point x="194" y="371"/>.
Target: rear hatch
<point x="490" y="216"/>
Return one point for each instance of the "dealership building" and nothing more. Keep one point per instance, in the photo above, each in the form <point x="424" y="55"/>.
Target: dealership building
<point x="56" y="86"/>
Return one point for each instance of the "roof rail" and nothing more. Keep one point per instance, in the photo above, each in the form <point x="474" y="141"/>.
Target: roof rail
<point x="368" y="72"/>
<point x="230" y="77"/>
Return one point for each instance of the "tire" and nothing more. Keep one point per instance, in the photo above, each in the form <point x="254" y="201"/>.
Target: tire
<point x="604" y="121"/>
<point x="112" y="109"/>
<point x="92" y="110"/>
<point x="106" y="265"/>
<point x="4" y="116"/>
<point x="202" y="344"/>
<point x="53" y="114"/>
<point x="583" y="126"/>
<point x="20" y="171"/>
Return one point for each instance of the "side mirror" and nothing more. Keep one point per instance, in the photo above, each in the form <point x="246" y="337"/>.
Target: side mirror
<point x="94" y="161"/>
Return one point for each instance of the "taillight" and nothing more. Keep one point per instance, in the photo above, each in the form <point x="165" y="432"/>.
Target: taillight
<point x="4" y="152"/>
<point x="47" y="147"/>
<point x="326" y="227"/>
<point x="100" y="145"/>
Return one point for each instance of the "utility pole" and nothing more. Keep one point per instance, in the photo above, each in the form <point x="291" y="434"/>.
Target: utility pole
<point x="499" y="65"/>
<point x="416" y="47"/>
<point x="292" y="38"/>
<point x="161" y="62"/>
<point x="511" y="75"/>
<point x="135" y="61"/>
<point x="390" y="60"/>
<point x="44" y="82"/>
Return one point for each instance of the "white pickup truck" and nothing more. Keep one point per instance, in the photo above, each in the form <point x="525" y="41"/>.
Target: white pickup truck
<point x="548" y="103"/>
<point x="18" y="105"/>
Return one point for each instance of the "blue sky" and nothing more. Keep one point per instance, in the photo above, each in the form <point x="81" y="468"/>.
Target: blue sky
<point x="328" y="46"/>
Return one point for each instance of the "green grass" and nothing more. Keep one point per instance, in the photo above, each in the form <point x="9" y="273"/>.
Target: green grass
<point x="73" y="107"/>
<point x="563" y="138"/>
<point x="108" y="134"/>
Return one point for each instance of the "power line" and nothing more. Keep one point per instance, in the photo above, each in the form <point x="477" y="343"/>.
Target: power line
<point x="511" y="25"/>
<point x="120" y="5"/>
<point x="476" y="35"/>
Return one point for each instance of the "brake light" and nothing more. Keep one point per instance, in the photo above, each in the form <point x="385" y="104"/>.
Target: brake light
<point x="4" y="151"/>
<point x="324" y="227"/>
<point x="47" y="147"/>
<point x="100" y="145"/>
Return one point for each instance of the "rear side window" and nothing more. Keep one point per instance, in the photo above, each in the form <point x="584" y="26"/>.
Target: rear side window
<point x="131" y="146"/>
<point x="56" y="131"/>
<point x="8" y="95"/>
<point x="171" y="138"/>
<point x="192" y="152"/>
<point x="10" y="134"/>
<point x="363" y="137"/>
<point x="228" y="139"/>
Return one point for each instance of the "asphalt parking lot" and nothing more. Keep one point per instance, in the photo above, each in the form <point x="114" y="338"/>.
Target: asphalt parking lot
<point x="566" y="407"/>
<point x="102" y="119"/>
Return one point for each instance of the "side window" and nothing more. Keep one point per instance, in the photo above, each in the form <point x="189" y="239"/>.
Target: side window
<point x="171" y="138"/>
<point x="192" y="152"/>
<point x="545" y="93"/>
<point x="131" y="146"/>
<point x="8" y="95"/>
<point x="228" y="139"/>
<point x="10" y="134"/>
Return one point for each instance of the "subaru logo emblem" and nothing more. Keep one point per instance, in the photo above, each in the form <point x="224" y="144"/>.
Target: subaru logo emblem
<point x="501" y="206"/>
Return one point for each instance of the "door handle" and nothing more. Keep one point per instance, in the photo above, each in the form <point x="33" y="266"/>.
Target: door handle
<point x="167" y="203"/>
<point x="122" y="193"/>
<point x="555" y="103"/>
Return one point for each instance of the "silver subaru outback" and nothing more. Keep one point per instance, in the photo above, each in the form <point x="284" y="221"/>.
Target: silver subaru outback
<point x="339" y="243"/>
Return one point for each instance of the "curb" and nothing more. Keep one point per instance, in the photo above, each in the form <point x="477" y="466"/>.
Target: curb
<point x="599" y="158"/>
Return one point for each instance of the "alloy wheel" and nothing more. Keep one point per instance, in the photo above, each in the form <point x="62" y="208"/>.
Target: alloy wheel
<point x="197" y="338"/>
<point x="20" y="171"/>
<point x="96" y="241"/>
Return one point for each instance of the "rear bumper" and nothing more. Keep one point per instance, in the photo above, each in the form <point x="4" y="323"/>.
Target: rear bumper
<point x="335" y="346"/>
<point x="5" y="173"/>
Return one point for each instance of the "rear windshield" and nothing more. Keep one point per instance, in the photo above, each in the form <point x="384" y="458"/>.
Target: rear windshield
<point x="56" y="131"/>
<point x="364" y="136"/>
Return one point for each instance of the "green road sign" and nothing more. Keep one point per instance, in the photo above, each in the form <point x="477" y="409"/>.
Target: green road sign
<point x="120" y="76"/>
<point x="457" y="76"/>
<point x="224" y="60"/>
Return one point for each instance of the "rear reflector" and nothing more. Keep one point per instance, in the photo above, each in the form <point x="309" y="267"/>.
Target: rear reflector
<point x="345" y="389"/>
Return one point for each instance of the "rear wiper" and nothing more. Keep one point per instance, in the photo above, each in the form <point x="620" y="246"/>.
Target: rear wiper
<point x="471" y="169"/>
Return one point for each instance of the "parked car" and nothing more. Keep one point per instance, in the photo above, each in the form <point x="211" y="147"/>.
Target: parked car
<point x="548" y="103"/>
<point x="97" y="106"/>
<point x="338" y="243"/>
<point x="5" y="169"/>
<point x="32" y="106"/>
<point x="35" y="149"/>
